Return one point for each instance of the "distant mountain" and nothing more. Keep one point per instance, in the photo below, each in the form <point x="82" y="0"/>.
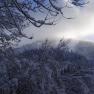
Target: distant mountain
<point x="86" y="49"/>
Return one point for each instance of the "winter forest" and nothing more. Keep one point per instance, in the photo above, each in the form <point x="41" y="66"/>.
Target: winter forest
<point x="49" y="63"/>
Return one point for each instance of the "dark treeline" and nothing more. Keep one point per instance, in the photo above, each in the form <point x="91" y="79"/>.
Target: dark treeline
<point x="45" y="70"/>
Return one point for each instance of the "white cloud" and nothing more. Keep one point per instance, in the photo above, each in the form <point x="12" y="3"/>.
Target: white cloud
<point x="82" y="26"/>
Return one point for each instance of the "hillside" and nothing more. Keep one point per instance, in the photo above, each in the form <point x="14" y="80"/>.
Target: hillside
<point x="86" y="49"/>
<point x="45" y="70"/>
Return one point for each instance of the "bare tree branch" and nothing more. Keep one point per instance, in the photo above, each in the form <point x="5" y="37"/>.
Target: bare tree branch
<point x="15" y="14"/>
